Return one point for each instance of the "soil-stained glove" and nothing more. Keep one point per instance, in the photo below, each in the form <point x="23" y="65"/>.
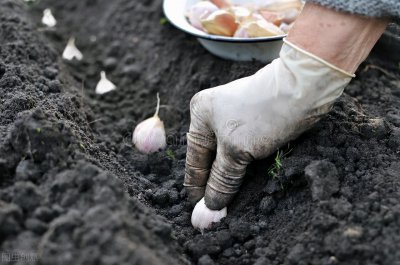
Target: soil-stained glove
<point x="250" y="118"/>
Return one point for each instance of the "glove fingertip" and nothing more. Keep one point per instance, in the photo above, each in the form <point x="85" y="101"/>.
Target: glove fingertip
<point x="216" y="200"/>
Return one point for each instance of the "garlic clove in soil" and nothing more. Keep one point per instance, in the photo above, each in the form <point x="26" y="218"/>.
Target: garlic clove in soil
<point x="149" y="135"/>
<point x="202" y="217"/>
<point x="71" y="52"/>
<point x="200" y="11"/>
<point x="48" y="18"/>
<point x="104" y="85"/>
<point x="220" y="22"/>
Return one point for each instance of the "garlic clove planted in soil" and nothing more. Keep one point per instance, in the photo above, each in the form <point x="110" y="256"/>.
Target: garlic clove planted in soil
<point x="149" y="135"/>
<point x="104" y="85"/>
<point x="202" y="217"/>
<point x="48" y="18"/>
<point x="220" y="22"/>
<point x="200" y="11"/>
<point x="71" y="52"/>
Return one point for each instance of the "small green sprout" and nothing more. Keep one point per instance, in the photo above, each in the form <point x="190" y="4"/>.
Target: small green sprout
<point x="170" y="154"/>
<point x="275" y="169"/>
<point x="82" y="146"/>
<point x="163" y="21"/>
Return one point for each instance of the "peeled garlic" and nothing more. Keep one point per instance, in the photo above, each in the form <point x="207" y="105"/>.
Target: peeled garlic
<point x="220" y="22"/>
<point x="202" y="217"/>
<point x="200" y="11"/>
<point x="149" y="135"/>
<point x="71" y="52"/>
<point x="104" y="85"/>
<point x="48" y="18"/>
<point x="257" y="28"/>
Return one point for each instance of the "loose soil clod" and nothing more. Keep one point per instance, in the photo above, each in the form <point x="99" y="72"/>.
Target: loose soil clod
<point x="75" y="191"/>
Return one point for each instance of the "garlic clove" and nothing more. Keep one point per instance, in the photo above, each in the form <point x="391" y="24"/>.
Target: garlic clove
<point x="278" y="11"/>
<point x="104" y="85"/>
<point x="273" y="17"/>
<point x="258" y="28"/>
<point x="240" y="13"/>
<point x="200" y="11"/>
<point x="290" y="15"/>
<point x="220" y="22"/>
<point x="285" y="27"/>
<point x="48" y="18"/>
<point x="202" y="217"/>
<point x="149" y="135"/>
<point x="71" y="52"/>
<point x="222" y="3"/>
<point x="241" y="33"/>
<point x="282" y="5"/>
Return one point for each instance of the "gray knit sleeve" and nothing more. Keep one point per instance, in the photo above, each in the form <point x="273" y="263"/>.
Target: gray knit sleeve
<point x="371" y="8"/>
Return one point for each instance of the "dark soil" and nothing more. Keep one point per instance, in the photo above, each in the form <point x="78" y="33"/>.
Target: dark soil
<point x="73" y="190"/>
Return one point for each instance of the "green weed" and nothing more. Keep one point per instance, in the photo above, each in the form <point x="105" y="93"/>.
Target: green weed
<point x="163" y="21"/>
<point x="276" y="169"/>
<point x="170" y="154"/>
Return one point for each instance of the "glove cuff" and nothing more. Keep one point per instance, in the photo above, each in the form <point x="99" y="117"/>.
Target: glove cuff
<point x="318" y="59"/>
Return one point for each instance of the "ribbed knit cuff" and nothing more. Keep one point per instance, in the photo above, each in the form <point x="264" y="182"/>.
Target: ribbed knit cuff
<point x="370" y="8"/>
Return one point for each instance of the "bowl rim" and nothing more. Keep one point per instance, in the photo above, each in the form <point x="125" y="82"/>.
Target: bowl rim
<point x="203" y="35"/>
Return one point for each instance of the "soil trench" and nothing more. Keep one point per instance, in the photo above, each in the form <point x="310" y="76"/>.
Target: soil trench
<point x="73" y="190"/>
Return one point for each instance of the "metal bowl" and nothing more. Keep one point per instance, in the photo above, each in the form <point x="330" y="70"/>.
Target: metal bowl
<point x="263" y="49"/>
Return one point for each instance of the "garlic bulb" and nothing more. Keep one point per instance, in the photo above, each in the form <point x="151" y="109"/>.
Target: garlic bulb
<point x="104" y="85"/>
<point x="149" y="135"/>
<point x="71" y="52"/>
<point x="48" y="18"/>
<point x="202" y="217"/>
<point x="220" y="22"/>
<point x="200" y="11"/>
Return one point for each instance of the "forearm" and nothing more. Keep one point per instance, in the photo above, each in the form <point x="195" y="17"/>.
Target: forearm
<point x="341" y="39"/>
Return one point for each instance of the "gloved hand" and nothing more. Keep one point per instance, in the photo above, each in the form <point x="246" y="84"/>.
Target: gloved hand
<point x="250" y="118"/>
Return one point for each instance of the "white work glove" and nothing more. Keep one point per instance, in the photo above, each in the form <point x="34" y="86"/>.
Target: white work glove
<point x="252" y="117"/>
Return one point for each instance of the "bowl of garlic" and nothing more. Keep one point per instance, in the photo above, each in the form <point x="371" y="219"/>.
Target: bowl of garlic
<point x="240" y="30"/>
